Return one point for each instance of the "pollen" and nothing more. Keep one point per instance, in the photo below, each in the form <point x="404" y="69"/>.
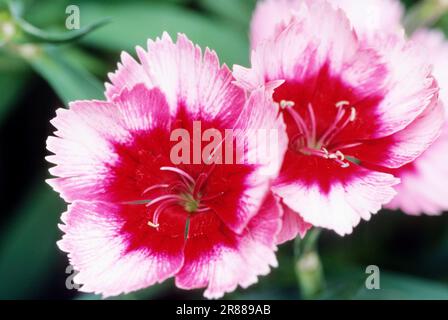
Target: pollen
<point x="343" y="103"/>
<point x="153" y="225"/>
<point x="287" y="104"/>
<point x="352" y="114"/>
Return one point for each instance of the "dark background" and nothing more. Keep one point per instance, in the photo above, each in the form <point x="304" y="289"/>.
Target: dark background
<point x="412" y="252"/>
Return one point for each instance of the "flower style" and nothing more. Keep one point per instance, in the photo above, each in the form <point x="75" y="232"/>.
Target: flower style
<point x="353" y="109"/>
<point x="135" y="218"/>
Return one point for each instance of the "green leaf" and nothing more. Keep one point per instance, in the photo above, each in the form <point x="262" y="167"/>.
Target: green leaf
<point x="424" y="14"/>
<point x="234" y="10"/>
<point x="28" y="245"/>
<point x="401" y="287"/>
<point x="349" y="283"/>
<point x="39" y="35"/>
<point x="70" y="81"/>
<point x="133" y="23"/>
<point x="75" y="55"/>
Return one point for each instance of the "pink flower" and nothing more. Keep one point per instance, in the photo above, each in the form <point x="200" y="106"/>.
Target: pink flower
<point x="368" y="17"/>
<point x="137" y="219"/>
<point x="423" y="182"/>
<point x="353" y="108"/>
<point x="422" y="187"/>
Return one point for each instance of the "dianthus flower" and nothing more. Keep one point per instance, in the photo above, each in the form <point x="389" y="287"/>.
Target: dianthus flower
<point x="136" y="216"/>
<point x="355" y="107"/>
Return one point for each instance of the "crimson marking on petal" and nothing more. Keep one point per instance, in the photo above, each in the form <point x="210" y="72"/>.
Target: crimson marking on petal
<point x="213" y="197"/>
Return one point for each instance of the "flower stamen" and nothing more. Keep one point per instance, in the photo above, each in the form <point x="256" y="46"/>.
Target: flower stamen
<point x="289" y="107"/>
<point x="180" y="172"/>
<point x="163" y="198"/>
<point x="336" y="127"/>
<point x="154" y="187"/>
<point x="189" y="194"/>
<point x="306" y="140"/>
<point x="155" y="220"/>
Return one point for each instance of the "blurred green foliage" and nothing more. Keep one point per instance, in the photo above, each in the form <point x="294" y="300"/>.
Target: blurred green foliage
<point x="135" y="22"/>
<point x="52" y="65"/>
<point x="412" y="251"/>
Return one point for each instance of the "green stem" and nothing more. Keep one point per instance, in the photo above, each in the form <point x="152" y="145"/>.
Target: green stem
<point x="308" y="265"/>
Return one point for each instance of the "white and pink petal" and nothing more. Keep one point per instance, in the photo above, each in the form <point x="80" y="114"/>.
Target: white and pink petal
<point x="224" y="260"/>
<point x="367" y="17"/>
<point x="423" y="182"/>
<point x="293" y="225"/>
<point x="406" y="145"/>
<point x="435" y="46"/>
<point x="86" y="135"/>
<point x="188" y="77"/>
<point x="370" y="17"/>
<point x="342" y="205"/>
<point x="318" y="35"/>
<point x="100" y="251"/>
<point x="261" y="132"/>
<point x="389" y="70"/>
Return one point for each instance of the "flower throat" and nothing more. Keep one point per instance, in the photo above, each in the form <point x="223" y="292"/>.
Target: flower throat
<point x="307" y="141"/>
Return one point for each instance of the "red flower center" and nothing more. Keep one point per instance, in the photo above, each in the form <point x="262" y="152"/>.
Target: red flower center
<point x="186" y="192"/>
<point x="307" y="141"/>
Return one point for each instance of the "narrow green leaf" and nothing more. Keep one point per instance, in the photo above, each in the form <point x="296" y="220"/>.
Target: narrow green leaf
<point x="401" y="287"/>
<point x="349" y="283"/>
<point x="75" y="55"/>
<point x="28" y="247"/>
<point x="70" y="81"/>
<point x="133" y="23"/>
<point x="39" y="35"/>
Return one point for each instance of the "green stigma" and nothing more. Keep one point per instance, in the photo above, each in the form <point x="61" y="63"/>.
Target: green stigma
<point x="191" y="204"/>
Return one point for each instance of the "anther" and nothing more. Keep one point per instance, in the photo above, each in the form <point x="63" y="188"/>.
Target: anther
<point x="287" y="104"/>
<point x="352" y="114"/>
<point x="155" y="226"/>
<point x="345" y="165"/>
<point x="343" y="103"/>
<point x="340" y="156"/>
